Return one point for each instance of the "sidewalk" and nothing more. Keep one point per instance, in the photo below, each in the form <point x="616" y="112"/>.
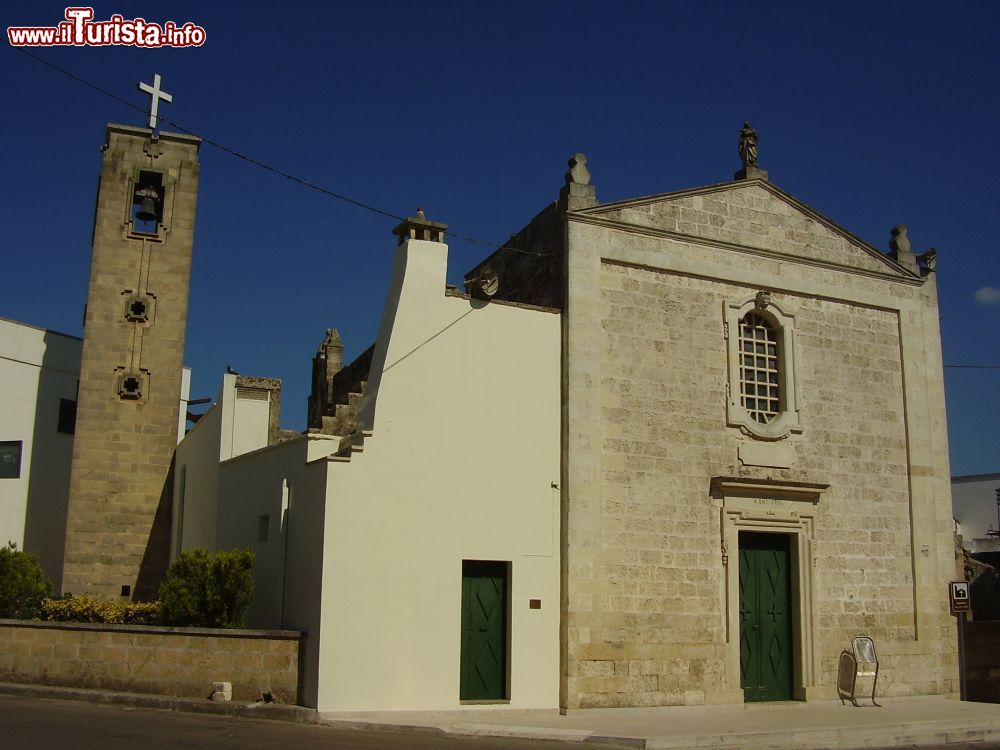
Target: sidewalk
<point x="900" y="722"/>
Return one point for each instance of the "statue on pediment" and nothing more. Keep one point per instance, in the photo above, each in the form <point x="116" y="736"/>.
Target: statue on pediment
<point x="748" y="145"/>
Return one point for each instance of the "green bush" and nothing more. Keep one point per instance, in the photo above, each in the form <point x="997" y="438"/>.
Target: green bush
<point x="208" y="590"/>
<point x="142" y="613"/>
<point x="86" y="608"/>
<point x="23" y="585"/>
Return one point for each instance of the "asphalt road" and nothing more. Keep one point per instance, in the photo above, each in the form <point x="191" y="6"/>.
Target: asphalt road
<point x="33" y="724"/>
<point x="42" y="724"/>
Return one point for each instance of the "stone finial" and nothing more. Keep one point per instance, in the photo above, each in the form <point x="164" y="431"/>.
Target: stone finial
<point x="748" y="155"/>
<point x="578" y="172"/>
<point x="577" y="193"/>
<point x="330" y="342"/>
<point x="419" y="227"/>
<point x="901" y="250"/>
<point x="899" y="241"/>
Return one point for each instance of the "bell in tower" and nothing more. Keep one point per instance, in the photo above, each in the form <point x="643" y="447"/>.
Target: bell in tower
<point x="147" y="199"/>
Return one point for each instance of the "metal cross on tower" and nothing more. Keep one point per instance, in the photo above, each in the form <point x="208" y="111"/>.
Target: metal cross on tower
<point x="156" y="95"/>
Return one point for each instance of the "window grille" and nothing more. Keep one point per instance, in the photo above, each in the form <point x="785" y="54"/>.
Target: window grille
<point x="760" y="389"/>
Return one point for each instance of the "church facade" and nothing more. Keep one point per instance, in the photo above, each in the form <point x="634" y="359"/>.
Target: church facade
<point x="755" y="461"/>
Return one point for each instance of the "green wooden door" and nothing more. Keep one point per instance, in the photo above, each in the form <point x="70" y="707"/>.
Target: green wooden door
<point x="484" y="631"/>
<point x="765" y="617"/>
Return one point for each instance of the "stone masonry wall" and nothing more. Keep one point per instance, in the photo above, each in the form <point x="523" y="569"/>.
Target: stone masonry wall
<point x="337" y="392"/>
<point x="179" y="662"/>
<point x="529" y="266"/>
<point x="118" y="520"/>
<point x="649" y="608"/>
<point x="664" y="388"/>
<point x="750" y="216"/>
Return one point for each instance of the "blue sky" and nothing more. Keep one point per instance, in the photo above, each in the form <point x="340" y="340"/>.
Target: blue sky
<point x="874" y="114"/>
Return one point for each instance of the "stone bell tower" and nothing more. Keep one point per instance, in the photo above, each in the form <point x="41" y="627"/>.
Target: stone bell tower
<point x="118" y="522"/>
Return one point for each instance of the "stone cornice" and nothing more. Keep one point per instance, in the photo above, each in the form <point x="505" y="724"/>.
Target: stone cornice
<point x="770" y="488"/>
<point x="102" y="627"/>
<point x="113" y="127"/>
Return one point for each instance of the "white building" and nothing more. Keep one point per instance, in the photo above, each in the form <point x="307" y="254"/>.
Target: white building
<point x="39" y="371"/>
<point x="977" y="512"/>
<point x="421" y="554"/>
<point x="39" y="377"/>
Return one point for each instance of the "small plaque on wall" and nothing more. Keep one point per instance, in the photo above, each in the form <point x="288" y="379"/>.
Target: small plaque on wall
<point x="766" y="454"/>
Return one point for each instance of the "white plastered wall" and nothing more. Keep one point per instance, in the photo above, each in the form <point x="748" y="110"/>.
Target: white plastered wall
<point x="250" y="421"/>
<point x="37" y="369"/>
<point x="185" y="400"/>
<point x="461" y="463"/>
<point x="286" y="483"/>
<point x="231" y="427"/>
<point x="196" y="478"/>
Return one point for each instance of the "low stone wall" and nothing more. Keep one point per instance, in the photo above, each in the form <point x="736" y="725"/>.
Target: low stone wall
<point x="179" y="662"/>
<point x="982" y="661"/>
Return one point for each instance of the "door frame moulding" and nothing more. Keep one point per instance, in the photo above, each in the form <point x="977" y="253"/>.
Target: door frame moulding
<point x="771" y="507"/>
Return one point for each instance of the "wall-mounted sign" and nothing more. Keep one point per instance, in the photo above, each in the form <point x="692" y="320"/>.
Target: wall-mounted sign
<point x="958" y="596"/>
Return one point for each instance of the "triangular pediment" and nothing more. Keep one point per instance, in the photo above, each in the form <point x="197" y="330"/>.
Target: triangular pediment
<point x="752" y="214"/>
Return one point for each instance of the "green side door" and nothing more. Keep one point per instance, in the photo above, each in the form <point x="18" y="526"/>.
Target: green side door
<point x="484" y="631"/>
<point x="765" y="617"/>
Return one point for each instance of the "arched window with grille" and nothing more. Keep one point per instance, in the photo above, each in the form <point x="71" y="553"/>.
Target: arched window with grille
<point x="761" y="368"/>
<point x="760" y="387"/>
